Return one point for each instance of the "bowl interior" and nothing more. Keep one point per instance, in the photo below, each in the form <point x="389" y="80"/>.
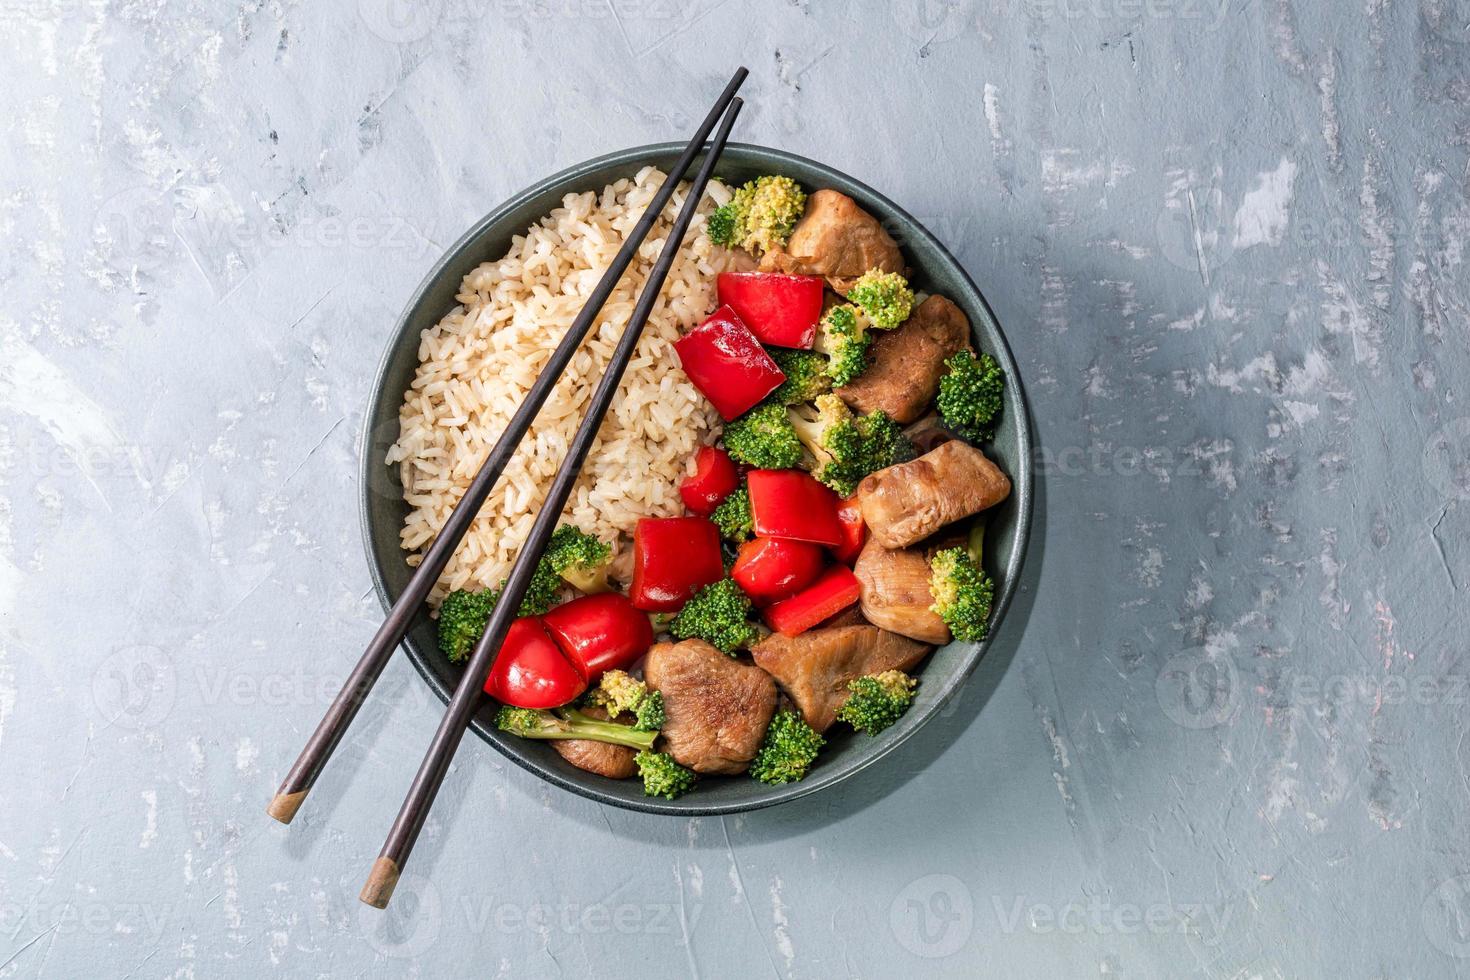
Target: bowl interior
<point x="383" y="508"/>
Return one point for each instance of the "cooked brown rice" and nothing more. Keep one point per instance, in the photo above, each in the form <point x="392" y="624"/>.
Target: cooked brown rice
<point x="477" y="364"/>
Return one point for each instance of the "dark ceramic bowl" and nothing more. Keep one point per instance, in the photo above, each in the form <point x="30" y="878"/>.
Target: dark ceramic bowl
<point x="383" y="509"/>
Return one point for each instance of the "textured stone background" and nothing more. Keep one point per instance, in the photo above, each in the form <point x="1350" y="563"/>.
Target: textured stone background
<point x="1223" y="732"/>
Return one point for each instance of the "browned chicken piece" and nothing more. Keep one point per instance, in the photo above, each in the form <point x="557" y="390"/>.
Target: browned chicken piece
<point x="895" y="592"/>
<point x="716" y="708"/>
<point x="906" y="363"/>
<point x="814" y="668"/>
<point x="851" y="616"/>
<point x="603" y="758"/>
<point x="837" y="239"/>
<point x="908" y="502"/>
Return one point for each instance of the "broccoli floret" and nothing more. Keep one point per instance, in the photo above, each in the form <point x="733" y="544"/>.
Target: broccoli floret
<point x="719" y="615"/>
<point x="618" y="692"/>
<point x="763" y="437"/>
<point x="806" y="376"/>
<point x="961" y="589"/>
<point x="662" y="776"/>
<point x="776" y="204"/>
<point x="760" y="216"/>
<point x="463" y="615"/>
<point x="724" y="224"/>
<point x="581" y="560"/>
<point x="873" y="703"/>
<point x="650" y="715"/>
<point x="787" y="751"/>
<point x="845" y="447"/>
<point x="541" y="593"/>
<point x="971" y="394"/>
<point x="733" y="517"/>
<point x="884" y="296"/>
<point x="570" y="723"/>
<point x="843" y="337"/>
<point x="462" y="619"/>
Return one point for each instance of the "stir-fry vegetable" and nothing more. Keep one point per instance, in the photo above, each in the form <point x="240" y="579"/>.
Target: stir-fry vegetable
<point x="673" y="558"/>
<point x="618" y="693"/>
<point x="718" y="615"/>
<point x="791" y="504"/>
<point x="580" y="559"/>
<point x="779" y="309"/>
<point x="788" y="750"/>
<point x="834" y="591"/>
<point x="462" y="618"/>
<point x="760" y="216"/>
<point x="876" y="702"/>
<point x="772" y="569"/>
<point x="962" y="592"/>
<point x="727" y="364"/>
<point x="971" y="394"/>
<point x="662" y="776"/>
<point x="884" y="296"/>
<point x="764" y="437"/>
<point x="845" y="447"/>
<point x="570" y="723"/>
<point x="714" y="479"/>
<point x="531" y="671"/>
<point x="732" y="517"/>
<point x="600" y="632"/>
<point x="843" y="337"/>
<point x="806" y="376"/>
<point x="854" y="531"/>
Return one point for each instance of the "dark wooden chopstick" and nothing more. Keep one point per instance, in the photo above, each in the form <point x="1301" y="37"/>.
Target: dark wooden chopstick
<point x="379" y="887"/>
<point x="344" y="707"/>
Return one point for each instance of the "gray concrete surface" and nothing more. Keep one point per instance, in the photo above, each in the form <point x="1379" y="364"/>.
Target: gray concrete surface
<point x="1223" y="733"/>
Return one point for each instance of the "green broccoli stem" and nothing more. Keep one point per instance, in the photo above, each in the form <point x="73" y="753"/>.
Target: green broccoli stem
<point x="579" y="725"/>
<point x="588" y="580"/>
<point x="975" y="544"/>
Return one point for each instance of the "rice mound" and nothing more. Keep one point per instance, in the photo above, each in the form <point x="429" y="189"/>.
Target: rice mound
<point x="477" y="364"/>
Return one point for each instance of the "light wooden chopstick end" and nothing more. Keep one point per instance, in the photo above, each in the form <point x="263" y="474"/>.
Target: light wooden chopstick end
<point x="380" y="884"/>
<point x="284" y="806"/>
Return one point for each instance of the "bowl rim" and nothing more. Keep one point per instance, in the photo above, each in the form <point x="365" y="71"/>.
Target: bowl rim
<point x="1022" y="481"/>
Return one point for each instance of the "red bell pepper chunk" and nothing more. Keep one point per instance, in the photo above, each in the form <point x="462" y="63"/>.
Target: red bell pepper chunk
<point x="727" y="364"/>
<point x="779" y="309"/>
<point x="600" y="632"/>
<point x="531" y="671"/>
<point x="714" y="479"/>
<point x="836" y="590"/>
<point x="791" y="504"/>
<point x="772" y="569"/>
<point x="673" y="558"/>
<point x="854" y="531"/>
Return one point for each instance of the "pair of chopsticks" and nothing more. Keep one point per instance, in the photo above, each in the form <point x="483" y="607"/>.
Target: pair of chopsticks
<point x="415" y="809"/>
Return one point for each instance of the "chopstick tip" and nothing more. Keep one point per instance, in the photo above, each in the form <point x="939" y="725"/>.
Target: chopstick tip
<point x="380" y="884"/>
<point x="284" y="806"/>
